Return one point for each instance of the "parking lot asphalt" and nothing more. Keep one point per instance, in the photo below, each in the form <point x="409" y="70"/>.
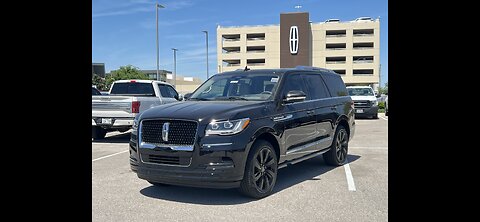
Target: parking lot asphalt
<point x="307" y="191"/>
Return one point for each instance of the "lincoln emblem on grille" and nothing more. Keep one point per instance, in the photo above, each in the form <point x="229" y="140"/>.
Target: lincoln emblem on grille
<point x="165" y="128"/>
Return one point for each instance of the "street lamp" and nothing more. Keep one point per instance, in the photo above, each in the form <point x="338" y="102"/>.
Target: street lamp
<point x="206" y="34"/>
<point x="157" y="6"/>
<point x="174" y="67"/>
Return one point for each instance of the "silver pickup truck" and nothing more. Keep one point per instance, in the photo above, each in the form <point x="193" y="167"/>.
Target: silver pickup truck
<point x="127" y="98"/>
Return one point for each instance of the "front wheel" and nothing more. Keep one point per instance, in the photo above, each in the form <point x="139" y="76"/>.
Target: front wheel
<point x="260" y="171"/>
<point x="338" y="152"/>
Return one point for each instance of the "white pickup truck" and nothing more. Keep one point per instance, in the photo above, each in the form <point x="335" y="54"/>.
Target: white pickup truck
<point x="126" y="99"/>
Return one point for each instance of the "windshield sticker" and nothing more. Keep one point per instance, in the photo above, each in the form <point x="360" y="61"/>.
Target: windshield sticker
<point x="234" y="81"/>
<point x="274" y="79"/>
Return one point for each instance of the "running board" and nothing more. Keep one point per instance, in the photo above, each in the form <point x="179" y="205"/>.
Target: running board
<point x="291" y="162"/>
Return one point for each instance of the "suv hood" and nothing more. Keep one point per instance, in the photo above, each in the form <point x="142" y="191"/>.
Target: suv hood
<point x="205" y="111"/>
<point x="359" y="98"/>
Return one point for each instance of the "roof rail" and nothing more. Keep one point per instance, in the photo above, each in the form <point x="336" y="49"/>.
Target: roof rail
<point x="313" y="68"/>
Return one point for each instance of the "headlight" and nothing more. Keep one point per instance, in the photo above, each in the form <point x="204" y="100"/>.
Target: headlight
<point x="374" y="102"/>
<point x="228" y="127"/>
<point x="135" y="122"/>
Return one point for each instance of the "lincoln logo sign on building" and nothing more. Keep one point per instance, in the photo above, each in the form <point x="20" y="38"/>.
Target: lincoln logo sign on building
<point x="293" y="40"/>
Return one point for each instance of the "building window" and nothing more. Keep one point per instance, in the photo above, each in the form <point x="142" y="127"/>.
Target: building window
<point x="363" y="72"/>
<point x="336" y="46"/>
<point x="362" y="32"/>
<point x="231" y="37"/>
<point x="335" y="60"/>
<point x="363" y="45"/>
<point x="255" y="62"/>
<point x="255" y="36"/>
<point x="255" y="49"/>
<point x="227" y="50"/>
<point x="336" y="33"/>
<point x="231" y="62"/>
<point x="339" y="71"/>
<point x="363" y="59"/>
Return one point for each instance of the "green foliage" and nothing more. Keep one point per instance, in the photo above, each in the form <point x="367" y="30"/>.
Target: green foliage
<point x="125" y="72"/>
<point x="383" y="90"/>
<point x="99" y="82"/>
<point x="381" y="105"/>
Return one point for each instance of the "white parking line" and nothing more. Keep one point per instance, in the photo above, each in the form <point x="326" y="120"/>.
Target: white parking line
<point x="348" y="173"/>
<point x="383" y="117"/>
<point x="103" y="157"/>
<point x="368" y="148"/>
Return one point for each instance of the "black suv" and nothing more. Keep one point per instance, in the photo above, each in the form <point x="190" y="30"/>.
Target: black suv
<point x="238" y="128"/>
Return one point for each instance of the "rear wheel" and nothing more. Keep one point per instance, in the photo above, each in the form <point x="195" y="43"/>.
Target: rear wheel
<point x="98" y="133"/>
<point x="260" y="171"/>
<point x="375" y="116"/>
<point x="337" y="155"/>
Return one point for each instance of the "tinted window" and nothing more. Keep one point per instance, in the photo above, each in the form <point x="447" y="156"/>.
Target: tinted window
<point x="241" y="86"/>
<point x="95" y="92"/>
<point x="294" y="82"/>
<point x="360" y="92"/>
<point x="335" y="84"/>
<point x="132" y="88"/>
<point x="315" y="86"/>
<point x="167" y="91"/>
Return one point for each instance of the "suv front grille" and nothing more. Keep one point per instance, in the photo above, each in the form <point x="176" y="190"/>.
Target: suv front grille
<point x="362" y="104"/>
<point x="172" y="160"/>
<point x="180" y="132"/>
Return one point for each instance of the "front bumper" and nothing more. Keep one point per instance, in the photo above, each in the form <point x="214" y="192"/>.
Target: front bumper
<point x="366" y="111"/>
<point x="215" y="162"/>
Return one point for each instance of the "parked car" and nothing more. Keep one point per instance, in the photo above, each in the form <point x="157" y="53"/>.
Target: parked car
<point x="365" y="101"/>
<point x="95" y="92"/>
<point x="386" y="106"/>
<point x="238" y="128"/>
<point x="128" y="98"/>
<point x="363" y="19"/>
<point x="332" y="21"/>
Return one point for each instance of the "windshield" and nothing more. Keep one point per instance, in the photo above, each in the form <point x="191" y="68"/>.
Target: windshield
<point x="360" y="92"/>
<point x="259" y="87"/>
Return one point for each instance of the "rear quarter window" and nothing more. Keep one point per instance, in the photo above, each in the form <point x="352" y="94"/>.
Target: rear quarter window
<point x="335" y="84"/>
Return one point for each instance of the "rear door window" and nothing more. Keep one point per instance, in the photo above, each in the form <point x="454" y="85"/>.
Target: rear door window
<point x="316" y="87"/>
<point x="167" y="91"/>
<point x="335" y="84"/>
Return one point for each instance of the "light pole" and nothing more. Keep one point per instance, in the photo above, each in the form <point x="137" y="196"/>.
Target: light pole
<point x="174" y="67"/>
<point x="206" y="34"/>
<point x="157" y="6"/>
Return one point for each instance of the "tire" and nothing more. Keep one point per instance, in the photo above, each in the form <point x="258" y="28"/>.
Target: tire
<point x="262" y="164"/>
<point x="375" y="116"/>
<point x="337" y="155"/>
<point x="158" y="184"/>
<point x="98" y="133"/>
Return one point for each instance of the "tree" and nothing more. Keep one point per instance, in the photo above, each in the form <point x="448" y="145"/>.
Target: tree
<point x="99" y="82"/>
<point x="383" y="90"/>
<point x="125" y="72"/>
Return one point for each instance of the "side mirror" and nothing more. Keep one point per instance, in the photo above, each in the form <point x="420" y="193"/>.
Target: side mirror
<point x="294" y="96"/>
<point x="179" y="97"/>
<point x="187" y="95"/>
<point x="378" y="95"/>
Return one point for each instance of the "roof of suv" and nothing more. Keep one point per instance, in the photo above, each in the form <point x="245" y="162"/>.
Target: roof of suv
<point x="361" y="87"/>
<point x="280" y="71"/>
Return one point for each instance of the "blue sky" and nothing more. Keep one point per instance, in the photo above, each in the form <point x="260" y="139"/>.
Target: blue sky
<point x="123" y="31"/>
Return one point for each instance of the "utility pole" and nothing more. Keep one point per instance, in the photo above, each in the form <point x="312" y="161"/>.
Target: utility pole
<point x="174" y="67"/>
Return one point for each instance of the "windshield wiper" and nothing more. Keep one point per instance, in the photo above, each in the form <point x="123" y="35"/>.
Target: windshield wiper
<point x="231" y="98"/>
<point x="199" y="99"/>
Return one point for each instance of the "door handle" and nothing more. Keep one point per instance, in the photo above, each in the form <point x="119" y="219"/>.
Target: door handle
<point x="333" y="108"/>
<point x="311" y="112"/>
